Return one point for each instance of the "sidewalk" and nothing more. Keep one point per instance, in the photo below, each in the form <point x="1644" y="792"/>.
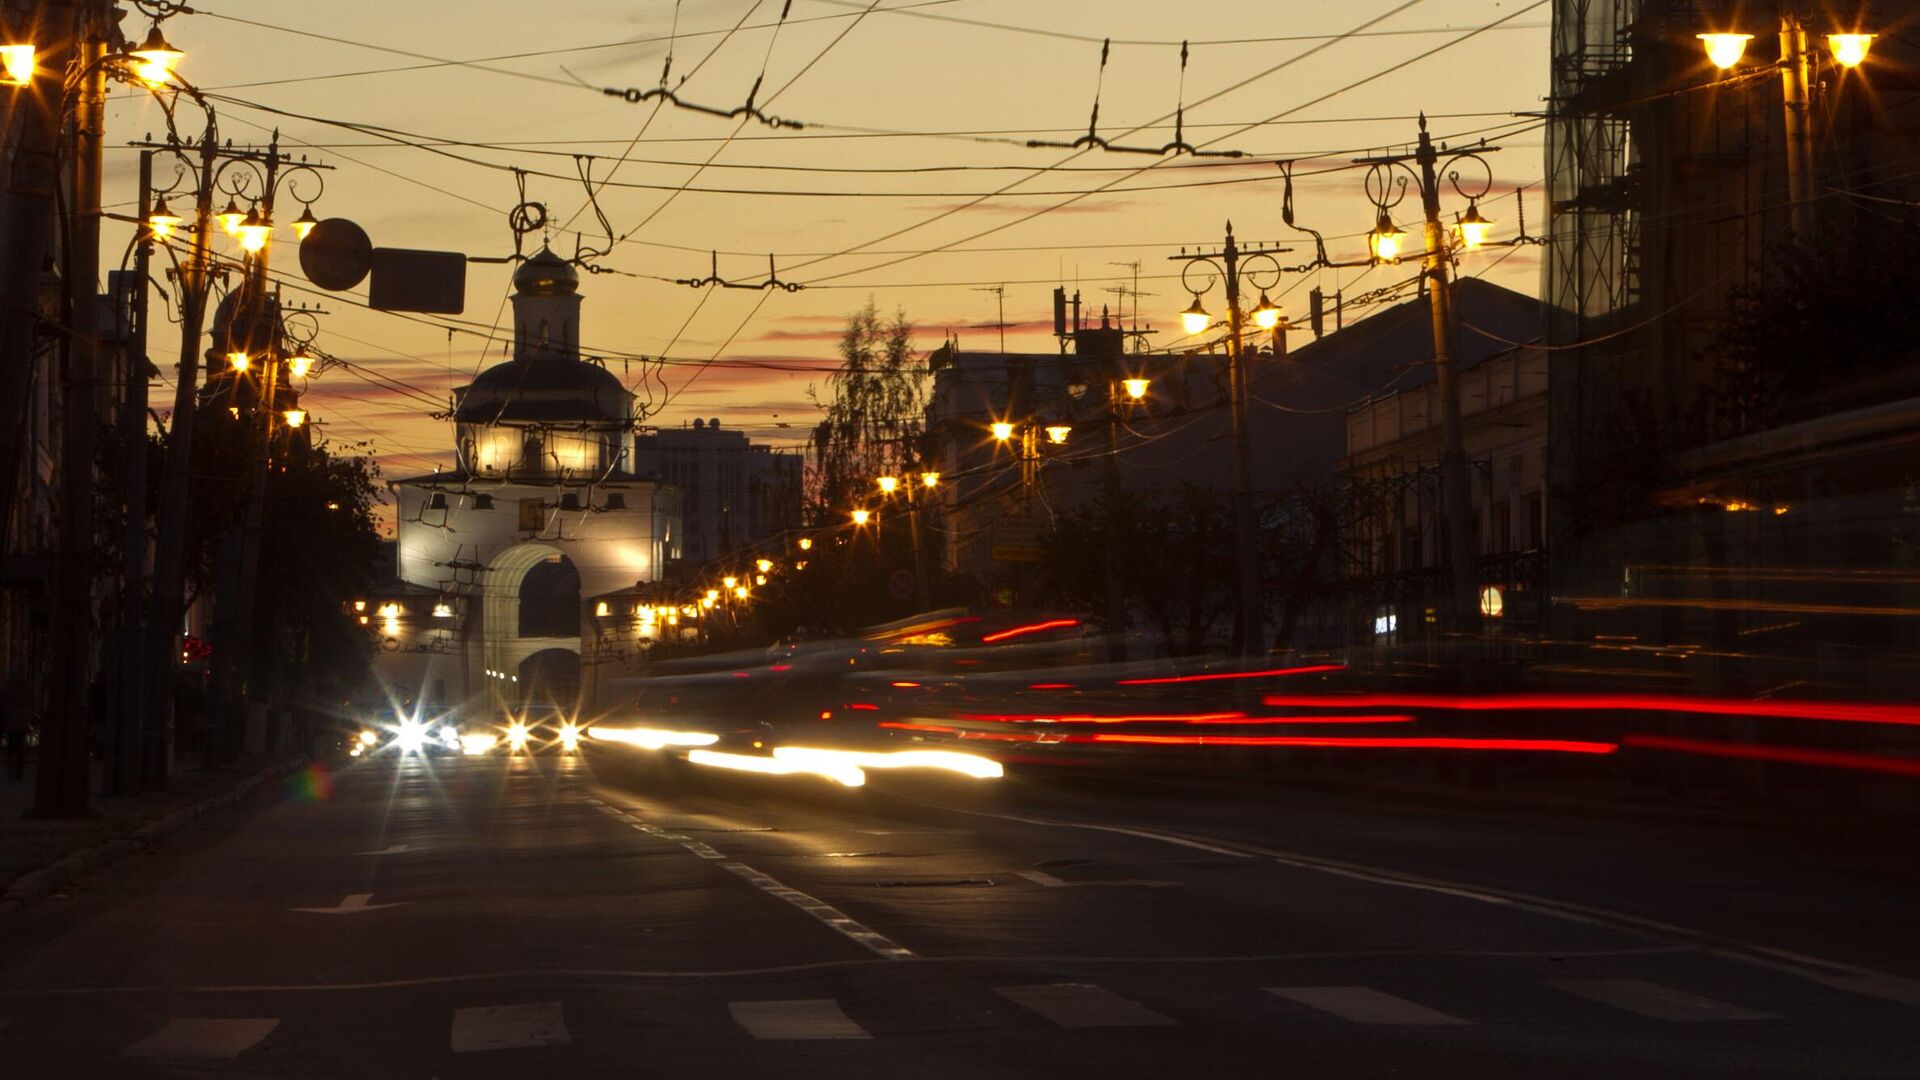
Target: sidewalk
<point x="30" y="844"/>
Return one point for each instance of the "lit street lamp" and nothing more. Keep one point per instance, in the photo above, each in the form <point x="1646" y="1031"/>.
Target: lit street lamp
<point x="1226" y="264"/>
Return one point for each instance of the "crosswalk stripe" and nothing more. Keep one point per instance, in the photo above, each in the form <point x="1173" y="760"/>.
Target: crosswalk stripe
<point x="1652" y="999"/>
<point x="809" y="1018"/>
<point x="202" y="1038"/>
<point x="502" y="1027"/>
<point x="1081" y="1005"/>
<point x="1363" y="1004"/>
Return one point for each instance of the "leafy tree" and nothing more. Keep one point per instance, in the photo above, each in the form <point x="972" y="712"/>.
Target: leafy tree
<point x="874" y="414"/>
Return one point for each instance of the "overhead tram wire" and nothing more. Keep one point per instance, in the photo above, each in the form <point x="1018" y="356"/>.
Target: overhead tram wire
<point x="438" y="147"/>
<point x="1467" y="36"/>
<point x="1282" y="65"/>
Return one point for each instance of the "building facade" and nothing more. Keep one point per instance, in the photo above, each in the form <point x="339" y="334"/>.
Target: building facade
<point x="737" y="493"/>
<point x="502" y="557"/>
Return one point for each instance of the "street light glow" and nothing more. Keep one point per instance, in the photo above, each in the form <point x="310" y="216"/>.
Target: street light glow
<point x="299" y="364"/>
<point x="1136" y="388"/>
<point x="1849" y="50"/>
<point x="889" y="483"/>
<point x="304" y="224"/>
<point x="1725" y="50"/>
<point x="1474" y="227"/>
<point x="1386" y="238"/>
<point x="231" y="217"/>
<point x="162" y="219"/>
<point x="806" y="543"/>
<point x="1195" y="319"/>
<point x="861" y="517"/>
<point x="254" y="231"/>
<point x="763" y="565"/>
<point x="239" y="361"/>
<point x="18" y="61"/>
<point x="295" y="417"/>
<point x="156" y="58"/>
<point x="930" y="479"/>
<point x="1266" y="315"/>
<point x="1057" y="434"/>
<point x="1002" y="431"/>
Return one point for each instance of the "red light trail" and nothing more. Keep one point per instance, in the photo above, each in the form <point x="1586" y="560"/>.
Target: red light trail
<point x="1031" y="628"/>
<point x="1217" y="676"/>
<point x="1793" y="755"/>
<point x="1560" y="746"/>
<point x="1846" y="712"/>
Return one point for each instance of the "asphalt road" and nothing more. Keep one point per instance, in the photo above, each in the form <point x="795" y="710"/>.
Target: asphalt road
<point x="560" y="917"/>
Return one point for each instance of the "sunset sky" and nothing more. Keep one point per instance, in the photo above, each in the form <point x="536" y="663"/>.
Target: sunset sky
<point x="910" y="182"/>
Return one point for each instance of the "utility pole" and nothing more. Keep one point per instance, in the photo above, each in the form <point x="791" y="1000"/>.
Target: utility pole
<point x="262" y="318"/>
<point x="1796" y="76"/>
<point x="27" y="223"/>
<point x="1248" y="634"/>
<point x="61" y="780"/>
<point x="129" y="730"/>
<point x="166" y="608"/>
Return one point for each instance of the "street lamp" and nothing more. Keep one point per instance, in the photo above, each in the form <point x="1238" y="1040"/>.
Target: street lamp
<point x="763" y="565"/>
<point x="1226" y="265"/>
<point x="18" y="62"/>
<point x="1057" y="434"/>
<point x="239" y="361"/>
<point x="1796" y="66"/>
<point x="806" y="543"/>
<point x="1725" y="50"/>
<point x="861" y="517"/>
<point x="1850" y="50"/>
<point x="1136" y="389"/>
<point x="232" y="217"/>
<point x="1386" y="239"/>
<point x="930" y="479"/>
<point x="295" y="417"/>
<point x="1387" y="182"/>
<point x="889" y="483"/>
<point x="729" y="581"/>
<point x="156" y="59"/>
<point x="254" y="231"/>
<point x="304" y="224"/>
<point x="1266" y="315"/>
<point x="1195" y="319"/>
<point x="1002" y="431"/>
<point x="162" y="220"/>
<point x="299" y="364"/>
<point x="1474" y="227"/>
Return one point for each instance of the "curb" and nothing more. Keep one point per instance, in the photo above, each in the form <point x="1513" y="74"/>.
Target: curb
<point x="36" y="885"/>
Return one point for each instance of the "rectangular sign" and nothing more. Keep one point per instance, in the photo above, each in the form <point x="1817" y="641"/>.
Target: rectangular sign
<point x="428" y="281"/>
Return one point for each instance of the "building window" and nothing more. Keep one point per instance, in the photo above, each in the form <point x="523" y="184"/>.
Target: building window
<point x="570" y="501"/>
<point x="532" y="517"/>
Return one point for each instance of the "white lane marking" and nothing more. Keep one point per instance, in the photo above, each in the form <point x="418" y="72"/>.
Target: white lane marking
<point x="183" y="1038"/>
<point x="1041" y="877"/>
<point x="394" y="849"/>
<point x="811" y="1018"/>
<point x="1849" y="978"/>
<point x="1363" y="1004"/>
<point x="1652" y="999"/>
<point x="354" y="904"/>
<point x="503" y="1027"/>
<point x="828" y="915"/>
<point x="1082" y="1005"/>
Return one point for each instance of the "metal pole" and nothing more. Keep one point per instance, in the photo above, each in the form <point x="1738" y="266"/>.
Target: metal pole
<point x="1796" y="76"/>
<point x="62" y="780"/>
<point x="168" y="605"/>
<point x="262" y="313"/>
<point x="1116" y="595"/>
<point x="1248" y="634"/>
<point x="1455" y="493"/>
<point x="130" y="722"/>
<point x="28" y="227"/>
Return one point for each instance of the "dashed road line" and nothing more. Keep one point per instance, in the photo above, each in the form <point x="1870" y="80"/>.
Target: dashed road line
<point x="1083" y="1005"/>
<point x="1656" y="1001"/>
<point x="828" y="915"/>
